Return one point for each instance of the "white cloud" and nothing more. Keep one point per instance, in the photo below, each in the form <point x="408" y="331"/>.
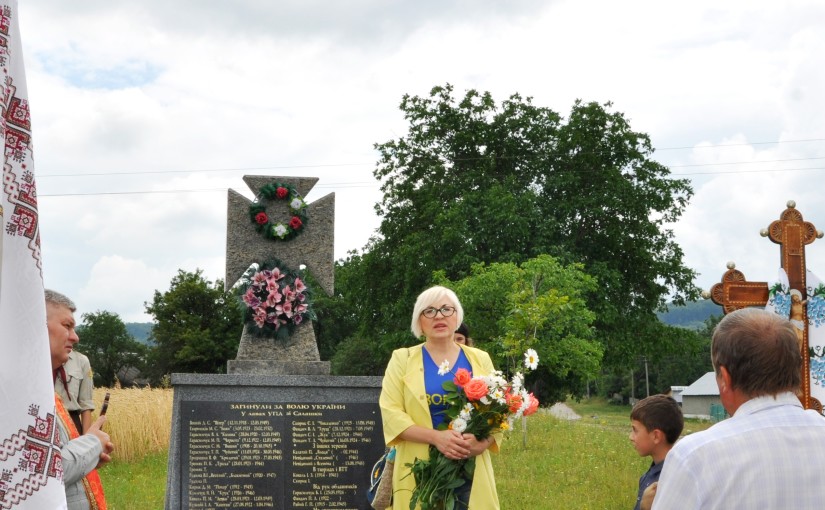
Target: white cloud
<point x="307" y="88"/>
<point x="116" y="284"/>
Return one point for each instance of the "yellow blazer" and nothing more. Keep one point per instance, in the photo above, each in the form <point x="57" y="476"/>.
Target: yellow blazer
<point x="403" y="403"/>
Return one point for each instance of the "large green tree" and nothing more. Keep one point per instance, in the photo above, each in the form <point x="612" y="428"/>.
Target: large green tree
<point x="197" y="326"/>
<point x="110" y="348"/>
<point x="539" y="305"/>
<point x="474" y="181"/>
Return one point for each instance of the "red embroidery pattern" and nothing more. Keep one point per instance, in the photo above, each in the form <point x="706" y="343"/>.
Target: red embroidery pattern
<point x="5" y="24"/>
<point x="39" y="450"/>
<point x="18" y="181"/>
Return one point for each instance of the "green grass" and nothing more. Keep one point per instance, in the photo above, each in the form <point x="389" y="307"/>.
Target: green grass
<point x="139" y="485"/>
<point x="587" y="464"/>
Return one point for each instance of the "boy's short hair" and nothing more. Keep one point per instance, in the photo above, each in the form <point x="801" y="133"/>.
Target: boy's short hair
<point x="660" y="412"/>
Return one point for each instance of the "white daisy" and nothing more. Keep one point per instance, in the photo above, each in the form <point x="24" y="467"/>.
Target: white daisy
<point x="444" y="367"/>
<point x="459" y="425"/>
<point x="498" y="395"/>
<point x="466" y="412"/>
<point x="518" y="382"/>
<point x="531" y="359"/>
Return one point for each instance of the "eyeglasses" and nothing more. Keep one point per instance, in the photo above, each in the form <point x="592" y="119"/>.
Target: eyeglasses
<point x="431" y="312"/>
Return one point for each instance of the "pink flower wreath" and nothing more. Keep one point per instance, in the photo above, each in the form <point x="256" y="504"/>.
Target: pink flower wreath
<point x="275" y="299"/>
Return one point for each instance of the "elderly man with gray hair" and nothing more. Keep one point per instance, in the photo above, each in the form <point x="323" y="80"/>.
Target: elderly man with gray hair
<point x="81" y="453"/>
<point x="771" y="453"/>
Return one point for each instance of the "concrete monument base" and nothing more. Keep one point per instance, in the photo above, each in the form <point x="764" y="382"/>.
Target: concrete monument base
<point x="277" y="367"/>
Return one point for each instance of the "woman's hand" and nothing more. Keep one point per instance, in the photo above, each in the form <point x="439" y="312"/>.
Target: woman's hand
<point x="477" y="447"/>
<point x="452" y="444"/>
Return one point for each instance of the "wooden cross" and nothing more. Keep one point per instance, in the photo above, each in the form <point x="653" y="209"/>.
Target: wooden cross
<point x="791" y="233"/>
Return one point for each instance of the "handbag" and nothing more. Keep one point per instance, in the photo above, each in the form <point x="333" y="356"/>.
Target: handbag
<point x="379" y="494"/>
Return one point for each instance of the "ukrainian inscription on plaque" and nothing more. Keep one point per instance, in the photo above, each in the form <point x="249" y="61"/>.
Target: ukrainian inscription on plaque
<point x="277" y="455"/>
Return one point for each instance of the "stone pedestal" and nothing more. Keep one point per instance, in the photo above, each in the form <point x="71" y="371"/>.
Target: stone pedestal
<point x="286" y="442"/>
<point x="296" y="355"/>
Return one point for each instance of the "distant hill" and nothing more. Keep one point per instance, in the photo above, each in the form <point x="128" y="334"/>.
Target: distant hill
<point x="691" y="316"/>
<point x="140" y="330"/>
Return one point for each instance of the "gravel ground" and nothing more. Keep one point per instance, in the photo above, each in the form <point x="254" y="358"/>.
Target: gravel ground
<point x="560" y="410"/>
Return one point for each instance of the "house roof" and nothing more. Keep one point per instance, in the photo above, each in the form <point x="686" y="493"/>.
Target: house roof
<point x="705" y="385"/>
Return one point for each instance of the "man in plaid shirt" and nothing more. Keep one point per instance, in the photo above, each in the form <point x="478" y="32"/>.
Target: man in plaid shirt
<point x="771" y="453"/>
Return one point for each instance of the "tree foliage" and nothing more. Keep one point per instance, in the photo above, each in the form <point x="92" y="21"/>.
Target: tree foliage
<point x="477" y="182"/>
<point x="679" y="366"/>
<point x="197" y="327"/>
<point x="539" y="305"/>
<point x="109" y="346"/>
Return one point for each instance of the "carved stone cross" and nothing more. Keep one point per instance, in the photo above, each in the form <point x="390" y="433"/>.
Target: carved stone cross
<point x="791" y="233"/>
<point x="313" y="249"/>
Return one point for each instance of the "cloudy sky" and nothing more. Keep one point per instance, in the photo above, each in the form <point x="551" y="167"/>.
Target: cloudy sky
<point x="145" y="113"/>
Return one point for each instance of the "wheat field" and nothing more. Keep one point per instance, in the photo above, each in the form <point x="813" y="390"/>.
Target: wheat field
<point x="138" y="420"/>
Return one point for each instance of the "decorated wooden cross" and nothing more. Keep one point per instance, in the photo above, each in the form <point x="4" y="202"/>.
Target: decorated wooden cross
<point x="791" y="233"/>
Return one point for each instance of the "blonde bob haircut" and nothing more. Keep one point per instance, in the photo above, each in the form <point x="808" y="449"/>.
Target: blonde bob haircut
<point x="434" y="296"/>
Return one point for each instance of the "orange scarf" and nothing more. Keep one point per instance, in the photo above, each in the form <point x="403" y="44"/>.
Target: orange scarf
<point x="91" y="482"/>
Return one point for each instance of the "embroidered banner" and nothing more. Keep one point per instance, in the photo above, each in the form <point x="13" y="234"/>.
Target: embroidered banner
<point x="31" y="471"/>
<point x="788" y="302"/>
<point x="815" y="307"/>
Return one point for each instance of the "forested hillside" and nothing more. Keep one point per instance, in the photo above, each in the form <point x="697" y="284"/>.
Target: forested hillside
<point x="692" y="316"/>
<point x="140" y="331"/>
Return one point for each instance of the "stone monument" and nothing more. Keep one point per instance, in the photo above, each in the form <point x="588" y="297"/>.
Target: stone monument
<point x="277" y="431"/>
<point x="312" y="248"/>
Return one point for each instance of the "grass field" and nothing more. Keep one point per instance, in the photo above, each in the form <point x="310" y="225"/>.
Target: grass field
<point x="587" y="464"/>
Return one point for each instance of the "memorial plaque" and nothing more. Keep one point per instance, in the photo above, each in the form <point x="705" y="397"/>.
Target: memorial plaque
<point x="257" y="455"/>
<point x="273" y="442"/>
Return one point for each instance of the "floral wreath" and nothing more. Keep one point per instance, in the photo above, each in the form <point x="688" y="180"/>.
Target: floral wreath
<point x="275" y="299"/>
<point x="279" y="231"/>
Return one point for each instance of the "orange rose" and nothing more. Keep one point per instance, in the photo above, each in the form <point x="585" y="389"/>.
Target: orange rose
<point x="533" y="407"/>
<point x="462" y="377"/>
<point x="475" y="389"/>
<point x="514" y="402"/>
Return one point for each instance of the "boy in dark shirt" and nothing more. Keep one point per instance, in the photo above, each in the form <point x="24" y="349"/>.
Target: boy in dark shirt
<point x="655" y="424"/>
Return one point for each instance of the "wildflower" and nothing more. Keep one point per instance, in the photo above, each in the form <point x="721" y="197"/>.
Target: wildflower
<point x="459" y="425"/>
<point x="531" y="359"/>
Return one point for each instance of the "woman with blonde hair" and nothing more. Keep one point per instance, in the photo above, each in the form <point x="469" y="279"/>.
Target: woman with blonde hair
<point x="412" y="405"/>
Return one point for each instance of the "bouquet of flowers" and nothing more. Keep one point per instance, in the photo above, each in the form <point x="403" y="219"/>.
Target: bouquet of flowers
<point x="274" y="299"/>
<point x="482" y="406"/>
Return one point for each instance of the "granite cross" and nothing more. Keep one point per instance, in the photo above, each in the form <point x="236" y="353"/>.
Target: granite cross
<point x="312" y="248"/>
<point x="791" y="233"/>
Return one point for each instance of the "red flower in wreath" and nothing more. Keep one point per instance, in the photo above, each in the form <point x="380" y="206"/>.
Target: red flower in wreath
<point x="282" y="192"/>
<point x="295" y="223"/>
<point x="261" y="218"/>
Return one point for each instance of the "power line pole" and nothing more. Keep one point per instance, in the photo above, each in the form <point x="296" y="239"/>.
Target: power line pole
<point x="647" y="382"/>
